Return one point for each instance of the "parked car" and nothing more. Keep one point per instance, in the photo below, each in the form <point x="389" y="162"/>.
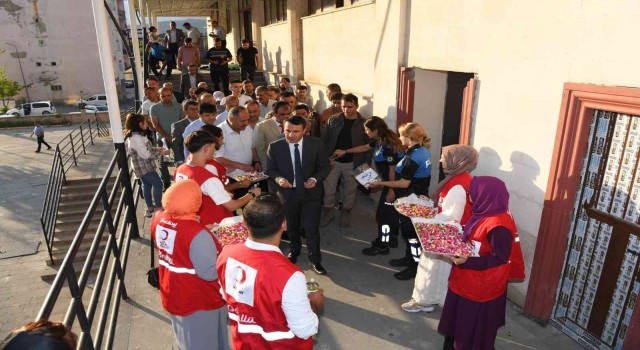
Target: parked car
<point x="95" y="109"/>
<point x="96" y="100"/>
<point x="33" y="108"/>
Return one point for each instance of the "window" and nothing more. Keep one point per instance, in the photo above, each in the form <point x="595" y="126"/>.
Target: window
<point x="275" y="11"/>
<point x="39" y="105"/>
<point x="56" y="87"/>
<point x="38" y="64"/>
<point x="53" y="63"/>
<point x="318" y="6"/>
<point x="102" y="98"/>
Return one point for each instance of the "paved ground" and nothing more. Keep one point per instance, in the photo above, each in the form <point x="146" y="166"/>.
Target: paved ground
<point x="362" y="297"/>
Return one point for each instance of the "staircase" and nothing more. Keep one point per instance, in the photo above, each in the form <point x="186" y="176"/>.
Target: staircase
<point x="75" y="198"/>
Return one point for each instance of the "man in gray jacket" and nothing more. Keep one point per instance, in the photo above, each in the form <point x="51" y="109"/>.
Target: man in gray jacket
<point x="173" y="39"/>
<point x="344" y="130"/>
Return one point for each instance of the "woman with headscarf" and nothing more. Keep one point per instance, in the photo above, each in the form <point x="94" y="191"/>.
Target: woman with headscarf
<point x="453" y="205"/>
<point x="475" y="305"/>
<point x="187" y="254"/>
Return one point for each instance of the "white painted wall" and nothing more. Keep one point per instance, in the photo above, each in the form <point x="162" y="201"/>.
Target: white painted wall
<point x="523" y="53"/>
<point x="68" y="39"/>
<point x="276" y="48"/>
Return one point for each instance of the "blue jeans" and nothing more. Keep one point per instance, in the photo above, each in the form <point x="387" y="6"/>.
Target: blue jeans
<point x="149" y="180"/>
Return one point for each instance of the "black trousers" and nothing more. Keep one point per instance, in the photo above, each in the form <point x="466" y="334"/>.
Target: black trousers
<point x="303" y="213"/>
<point x="387" y="217"/>
<point x="247" y="72"/>
<point x="220" y="75"/>
<point x="42" y="141"/>
<point x="173" y="47"/>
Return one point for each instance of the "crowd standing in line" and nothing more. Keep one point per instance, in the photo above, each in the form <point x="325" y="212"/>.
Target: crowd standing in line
<point x="310" y="157"/>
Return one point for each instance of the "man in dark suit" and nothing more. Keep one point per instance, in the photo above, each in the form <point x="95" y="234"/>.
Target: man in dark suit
<point x="177" y="129"/>
<point x="298" y="164"/>
<point x="190" y="80"/>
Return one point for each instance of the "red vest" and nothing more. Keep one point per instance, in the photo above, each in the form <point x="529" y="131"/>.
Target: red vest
<point x="463" y="180"/>
<point x="485" y="285"/>
<point x="182" y="292"/>
<point x="253" y="281"/>
<point x="222" y="171"/>
<point x="209" y="211"/>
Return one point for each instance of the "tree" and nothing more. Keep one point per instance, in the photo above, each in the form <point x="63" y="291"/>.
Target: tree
<point x="8" y="88"/>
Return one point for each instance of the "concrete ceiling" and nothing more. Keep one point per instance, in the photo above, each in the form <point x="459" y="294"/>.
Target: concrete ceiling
<point x="180" y="8"/>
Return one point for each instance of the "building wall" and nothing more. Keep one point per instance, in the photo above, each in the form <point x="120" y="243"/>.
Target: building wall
<point x="276" y="48"/>
<point x="61" y="35"/>
<point x="523" y="53"/>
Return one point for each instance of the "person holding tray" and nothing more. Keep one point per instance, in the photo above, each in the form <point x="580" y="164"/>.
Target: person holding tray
<point x="453" y="205"/>
<point x="387" y="152"/>
<point x="414" y="174"/>
<point x="476" y="301"/>
<point x="218" y="169"/>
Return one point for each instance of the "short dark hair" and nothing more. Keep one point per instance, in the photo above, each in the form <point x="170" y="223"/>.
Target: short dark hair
<point x="235" y="81"/>
<point x="153" y="79"/>
<point x="198" y="139"/>
<point x="246" y="41"/>
<point x="247" y="81"/>
<point x="199" y="91"/>
<point x="217" y="39"/>
<point x="302" y="106"/>
<point x="207" y="108"/>
<point x="149" y="88"/>
<point x="187" y="40"/>
<point x="286" y="79"/>
<point x="336" y="96"/>
<point x="186" y="24"/>
<point x="188" y="103"/>
<point x="301" y="87"/>
<point x="296" y="120"/>
<point x="213" y="130"/>
<point x="132" y="124"/>
<point x="278" y="105"/>
<point x="235" y="111"/>
<point x="152" y="28"/>
<point x="286" y="94"/>
<point x="350" y="98"/>
<point x="334" y="87"/>
<point x="264" y="215"/>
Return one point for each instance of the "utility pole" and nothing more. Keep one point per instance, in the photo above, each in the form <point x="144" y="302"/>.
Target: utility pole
<point x="24" y="81"/>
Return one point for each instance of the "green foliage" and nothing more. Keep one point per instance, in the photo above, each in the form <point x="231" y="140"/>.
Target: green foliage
<point x="4" y="109"/>
<point x="8" y="88"/>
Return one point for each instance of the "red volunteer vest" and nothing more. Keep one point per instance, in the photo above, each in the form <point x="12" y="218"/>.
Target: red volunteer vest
<point x="491" y="283"/>
<point x="463" y="180"/>
<point x="253" y="281"/>
<point x="209" y="211"/>
<point x="222" y="171"/>
<point x="182" y="292"/>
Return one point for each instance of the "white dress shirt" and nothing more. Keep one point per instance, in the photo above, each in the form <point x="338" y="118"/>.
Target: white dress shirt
<point x="193" y="126"/>
<point x="242" y="100"/>
<point x="237" y="146"/>
<point x="266" y="109"/>
<point x="295" y="302"/>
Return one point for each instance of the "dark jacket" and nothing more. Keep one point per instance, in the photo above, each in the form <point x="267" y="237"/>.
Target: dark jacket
<point x="184" y="81"/>
<point x="315" y="163"/>
<point x="358" y="136"/>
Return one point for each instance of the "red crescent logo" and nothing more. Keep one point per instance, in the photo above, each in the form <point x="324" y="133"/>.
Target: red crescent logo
<point x="166" y="235"/>
<point x="243" y="276"/>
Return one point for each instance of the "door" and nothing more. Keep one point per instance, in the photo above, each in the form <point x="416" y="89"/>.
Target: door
<point x="600" y="282"/>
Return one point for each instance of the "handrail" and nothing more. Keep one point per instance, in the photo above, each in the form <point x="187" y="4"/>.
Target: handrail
<point x="68" y="150"/>
<point x="120" y="226"/>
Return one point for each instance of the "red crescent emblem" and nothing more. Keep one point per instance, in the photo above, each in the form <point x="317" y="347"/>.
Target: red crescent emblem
<point x="166" y="235"/>
<point x="243" y="276"/>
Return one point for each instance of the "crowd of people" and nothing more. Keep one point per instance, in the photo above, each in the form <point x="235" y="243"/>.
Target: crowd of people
<point x="309" y="157"/>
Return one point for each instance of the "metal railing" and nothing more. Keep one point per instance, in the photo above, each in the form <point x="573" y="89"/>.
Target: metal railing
<point x="121" y="226"/>
<point x="67" y="152"/>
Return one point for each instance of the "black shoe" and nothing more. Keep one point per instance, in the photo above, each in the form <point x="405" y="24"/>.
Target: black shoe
<point x="376" y="249"/>
<point x="317" y="268"/>
<point x="293" y="257"/>
<point x="407" y="274"/>
<point x="37" y="151"/>
<point x="48" y="148"/>
<point x="402" y="262"/>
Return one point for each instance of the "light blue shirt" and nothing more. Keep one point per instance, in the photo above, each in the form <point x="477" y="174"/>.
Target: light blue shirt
<point x="195" y="125"/>
<point x="221" y="118"/>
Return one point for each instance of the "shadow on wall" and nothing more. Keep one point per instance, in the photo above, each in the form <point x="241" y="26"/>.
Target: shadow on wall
<point x="268" y="60"/>
<point x="279" y="60"/>
<point x="366" y="106"/>
<point x="320" y="104"/>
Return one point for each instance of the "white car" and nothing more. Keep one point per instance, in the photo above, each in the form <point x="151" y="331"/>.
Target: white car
<point x="33" y="108"/>
<point x="96" y="100"/>
<point x="96" y="109"/>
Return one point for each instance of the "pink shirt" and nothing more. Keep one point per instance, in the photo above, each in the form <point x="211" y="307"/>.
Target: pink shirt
<point x="189" y="55"/>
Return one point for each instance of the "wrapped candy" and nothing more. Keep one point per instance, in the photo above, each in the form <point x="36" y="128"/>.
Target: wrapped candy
<point x="415" y="207"/>
<point x="240" y="175"/>
<point x="231" y="230"/>
<point x="442" y="238"/>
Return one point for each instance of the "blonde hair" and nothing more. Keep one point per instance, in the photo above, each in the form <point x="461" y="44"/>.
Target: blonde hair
<point x="415" y="133"/>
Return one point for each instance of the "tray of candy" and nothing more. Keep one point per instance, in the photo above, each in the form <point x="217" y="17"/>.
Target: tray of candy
<point x="231" y="230"/>
<point x="444" y="238"/>
<point x="240" y="175"/>
<point x="415" y="207"/>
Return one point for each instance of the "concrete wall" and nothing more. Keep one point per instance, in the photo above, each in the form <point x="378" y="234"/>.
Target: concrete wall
<point x="523" y="52"/>
<point x="339" y="48"/>
<point x="276" y="49"/>
<point x="61" y="34"/>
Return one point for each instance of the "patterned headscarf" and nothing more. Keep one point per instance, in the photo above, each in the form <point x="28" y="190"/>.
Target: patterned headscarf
<point x="456" y="159"/>
<point x="489" y="197"/>
<point x="182" y="200"/>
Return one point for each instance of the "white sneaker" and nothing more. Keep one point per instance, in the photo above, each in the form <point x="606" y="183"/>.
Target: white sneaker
<point x="413" y="306"/>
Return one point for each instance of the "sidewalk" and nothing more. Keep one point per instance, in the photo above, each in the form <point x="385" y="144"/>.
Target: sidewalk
<point x="362" y="308"/>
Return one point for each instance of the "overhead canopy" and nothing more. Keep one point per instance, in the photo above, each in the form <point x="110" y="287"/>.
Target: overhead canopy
<point x="183" y="8"/>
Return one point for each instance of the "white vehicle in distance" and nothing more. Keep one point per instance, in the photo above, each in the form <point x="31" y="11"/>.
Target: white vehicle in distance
<point x="96" y="100"/>
<point x="33" y="108"/>
<point x="95" y="109"/>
